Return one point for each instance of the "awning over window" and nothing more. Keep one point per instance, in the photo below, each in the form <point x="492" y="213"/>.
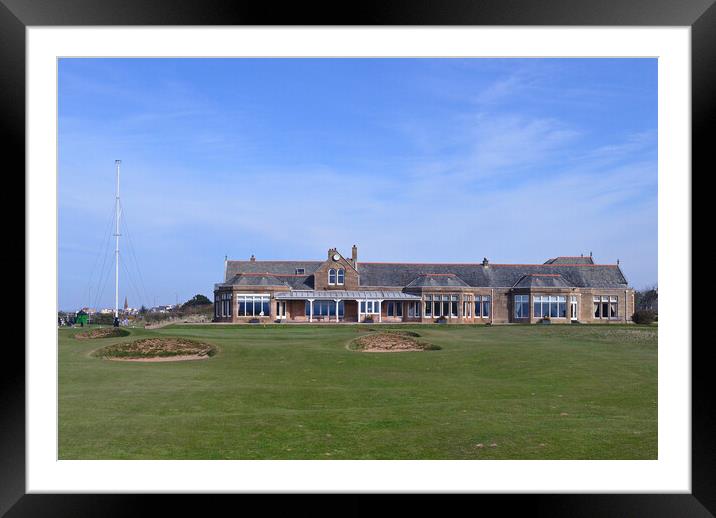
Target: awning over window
<point x="341" y="294"/>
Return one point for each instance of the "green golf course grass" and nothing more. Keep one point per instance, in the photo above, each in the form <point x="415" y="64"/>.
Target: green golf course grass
<point x="299" y="392"/>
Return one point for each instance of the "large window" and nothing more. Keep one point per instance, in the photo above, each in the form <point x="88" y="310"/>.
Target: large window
<point x="606" y="307"/>
<point x="325" y="308"/>
<point x="552" y="306"/>
<point x="369" y="307"/>
<point x="441" y="305"/>
<point x="522" y="306"/>
<point x="394" y="309"/>
<point x="413" y="309"/>
<point x="437" y="306"/>
<point x="453" y="306"/>
<point x="223" y="305"/>
<point x="482" y="306"/>
<point x="467" y="307"/>
<point x="336" y="276"/>
<point x="253" y="305"/>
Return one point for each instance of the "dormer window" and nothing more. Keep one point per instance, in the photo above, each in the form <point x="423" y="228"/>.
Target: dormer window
<point x="300" y="271"/>
<point x="341" y="276"/>
<point x="332" y="276"/>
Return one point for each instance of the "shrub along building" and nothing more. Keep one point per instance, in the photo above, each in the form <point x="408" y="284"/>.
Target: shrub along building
<point x="341" y="289"/>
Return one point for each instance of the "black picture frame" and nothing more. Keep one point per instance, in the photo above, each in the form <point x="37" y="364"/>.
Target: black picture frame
<point x="700" y="15"/>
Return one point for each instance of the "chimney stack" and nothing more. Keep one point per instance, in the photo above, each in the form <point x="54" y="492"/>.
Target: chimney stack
<point x="354" y="255"/>
<point x="252" y="258"/>
<point x="485" y="262"/>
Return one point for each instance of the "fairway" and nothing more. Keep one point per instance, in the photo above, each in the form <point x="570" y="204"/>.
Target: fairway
<point x="298" y="392"/>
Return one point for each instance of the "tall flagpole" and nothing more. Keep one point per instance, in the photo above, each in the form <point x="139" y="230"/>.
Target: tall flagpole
<point x="116" y="250"/>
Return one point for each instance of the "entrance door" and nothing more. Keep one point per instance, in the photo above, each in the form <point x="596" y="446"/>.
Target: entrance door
<point x="573" y="308"/>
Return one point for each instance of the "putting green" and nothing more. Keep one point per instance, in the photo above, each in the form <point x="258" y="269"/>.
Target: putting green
<point x="297" y="392"/>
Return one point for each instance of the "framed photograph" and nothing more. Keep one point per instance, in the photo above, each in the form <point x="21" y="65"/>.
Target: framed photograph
<point x="228" y="212"/>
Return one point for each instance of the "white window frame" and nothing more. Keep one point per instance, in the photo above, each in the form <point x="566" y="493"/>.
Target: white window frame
<point x="614" y="299"/>
<point x="340" y="276"/>
<point x="519" y="300"/>
<point x="549" y="301"/>
<point x="332" y="270"/>
<point x="374" y="307"/>
<point x="573" y="304"/>
<point x="454" y="303"/>
<point x="467" y="307"/>
<point x="488" y="299"/>
<point x="261" y="296"/>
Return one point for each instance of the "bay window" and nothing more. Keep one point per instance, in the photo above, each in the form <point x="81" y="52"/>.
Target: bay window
<point x="252" y="305"/>
<point x="552" y="306"/>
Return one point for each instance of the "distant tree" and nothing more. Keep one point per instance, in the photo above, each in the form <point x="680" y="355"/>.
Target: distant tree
<point x="143" y="310"/>
<point x="647" y="299"/>
<point x="196" y="300"/>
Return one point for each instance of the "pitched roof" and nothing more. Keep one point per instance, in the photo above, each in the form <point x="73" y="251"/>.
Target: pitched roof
<point x="541" y="280"/>
<point x="492" y="275"/>
<point x="256" y="279"/>
<point x="567" y="259"/>
<point x="435" y="280"/>
<point x="581" y="274"/>
<point x="296" y="282"/>
<point x="274" y="267"/>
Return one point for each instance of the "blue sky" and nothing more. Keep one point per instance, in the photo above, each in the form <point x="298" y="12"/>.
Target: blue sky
<point x="444" y="160"/>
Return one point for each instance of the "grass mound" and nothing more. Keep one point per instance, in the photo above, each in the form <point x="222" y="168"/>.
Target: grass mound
<point x="390" y="342"/>
<point x="154" y="349"/>
<point x="105" y="332"/>
<point x="396" y="332"/>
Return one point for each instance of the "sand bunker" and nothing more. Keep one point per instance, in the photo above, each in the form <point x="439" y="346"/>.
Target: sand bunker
<point x="104" y="332"/>
<point x="387" y="342"/>
<point x="157" y="350"/>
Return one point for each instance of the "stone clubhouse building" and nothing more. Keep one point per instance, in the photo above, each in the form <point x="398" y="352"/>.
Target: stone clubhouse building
<point x="343" y="289"/>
